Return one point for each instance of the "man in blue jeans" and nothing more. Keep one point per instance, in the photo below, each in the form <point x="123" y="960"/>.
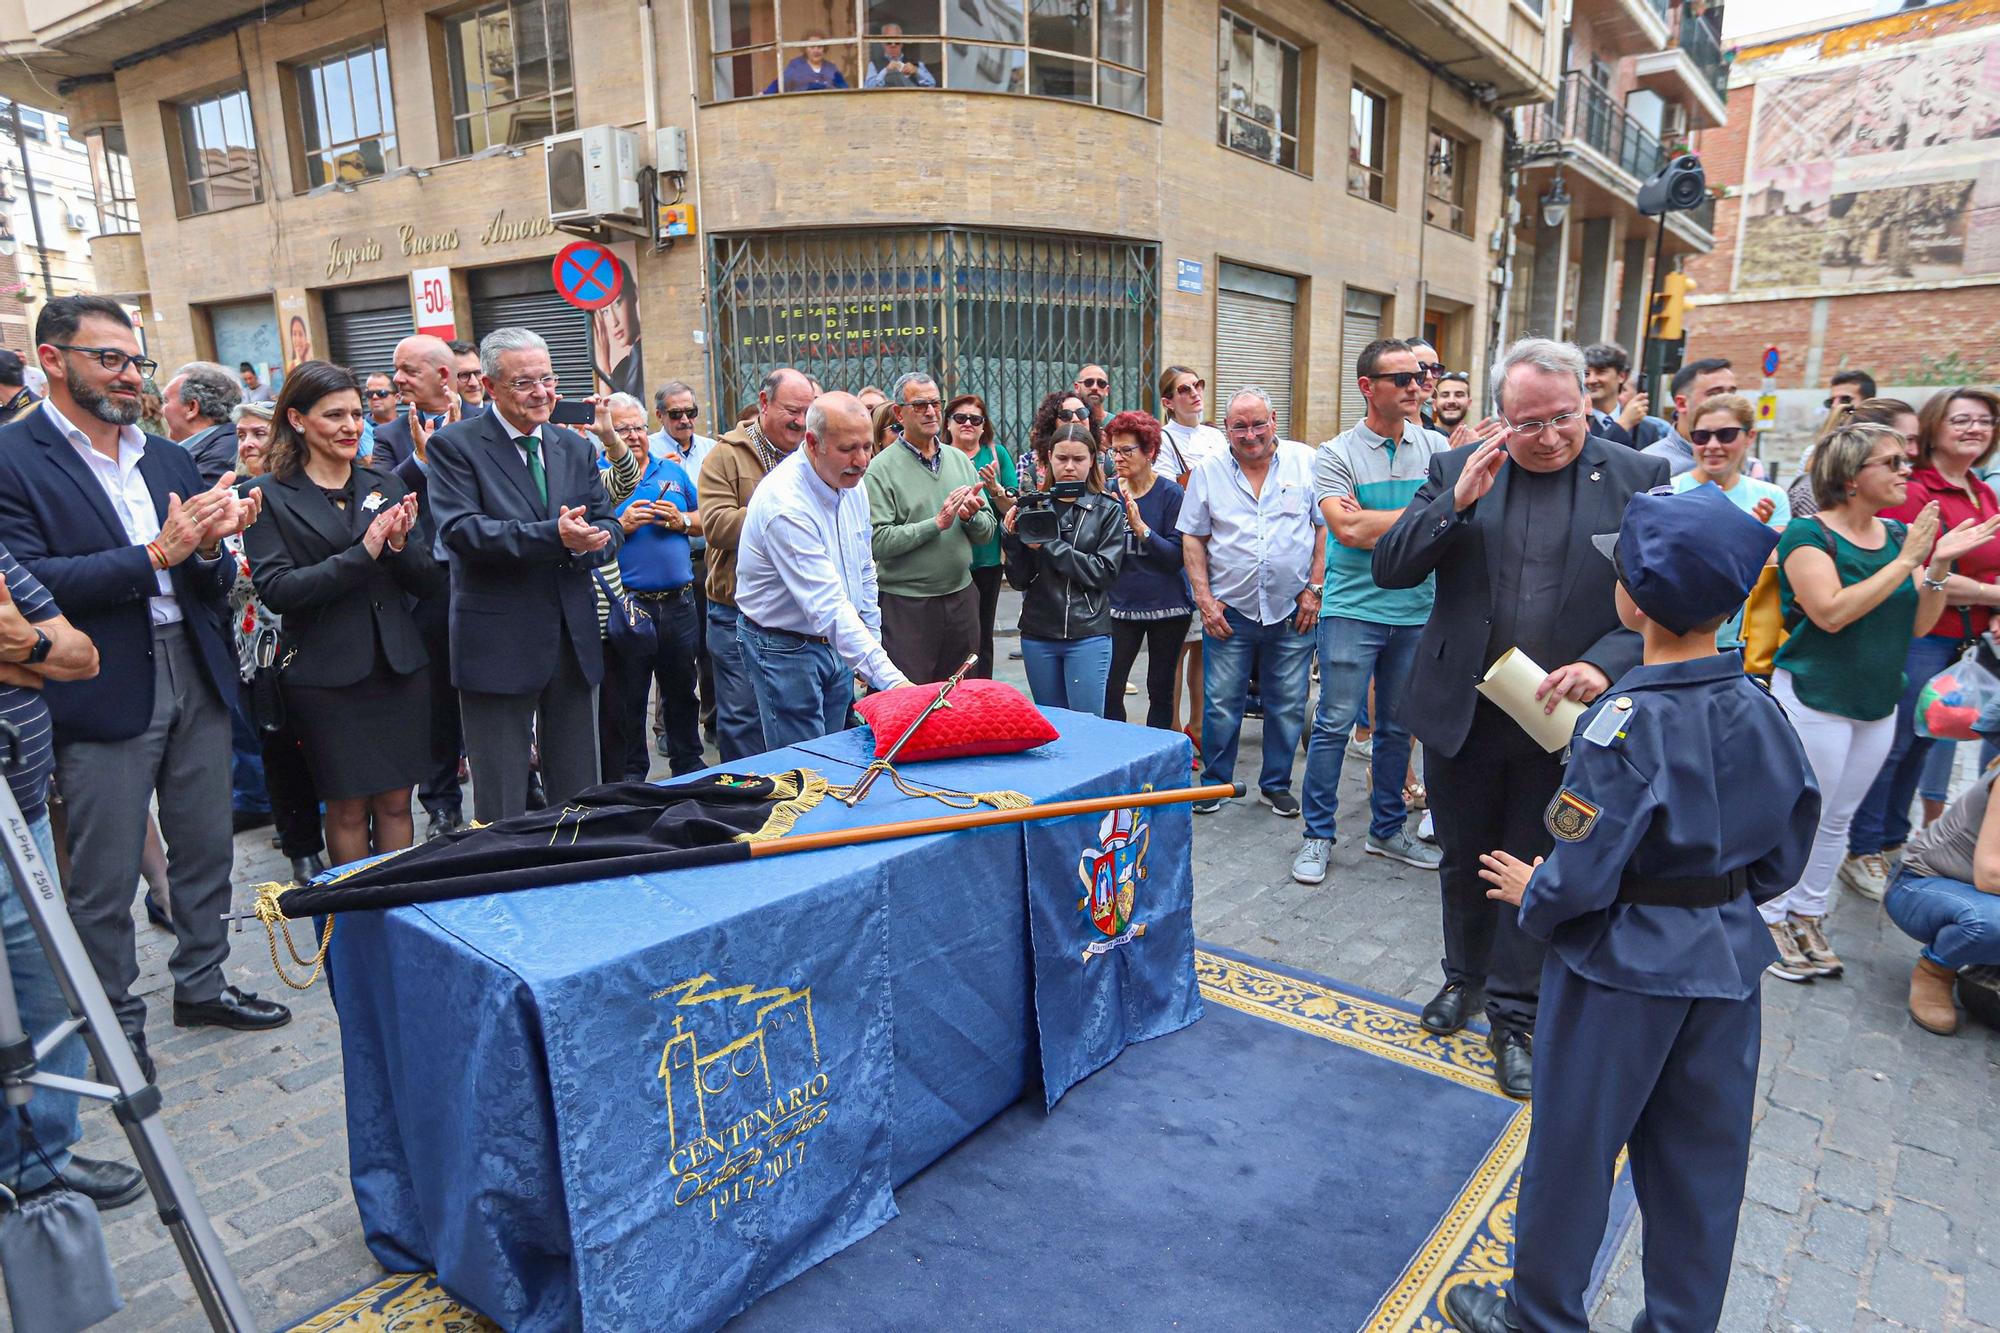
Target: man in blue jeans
<point x="37" y="645"/>
<point x="1363" y="479"/>
<point x="808" y="618"/>
<point x="1255" y="561"/>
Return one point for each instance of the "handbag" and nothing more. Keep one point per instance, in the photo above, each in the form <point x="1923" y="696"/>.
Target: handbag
<point x="629" y="626"/>
<point x="267" y="700"/>
<point x="52" y="1256"/>
<point x="1763" y="623"/>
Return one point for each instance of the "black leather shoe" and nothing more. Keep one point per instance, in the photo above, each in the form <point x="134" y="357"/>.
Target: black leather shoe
<point x="1446" y="1012"/>
<point x="156" y="916"/>
<point x="1480" y="1310"/>
<point x="443" y="822"/>
<point x="1513" y="1062"/>
<point x="106" y="1184"/>
<point x="232" y="1008"/>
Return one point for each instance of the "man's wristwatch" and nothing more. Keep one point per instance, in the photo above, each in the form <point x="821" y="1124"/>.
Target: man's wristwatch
<point x="40" y="652"/>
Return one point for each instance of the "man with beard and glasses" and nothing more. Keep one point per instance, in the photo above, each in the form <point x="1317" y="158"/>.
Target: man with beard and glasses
<point x="119" y="528"/>
<point x="805" y="581"/>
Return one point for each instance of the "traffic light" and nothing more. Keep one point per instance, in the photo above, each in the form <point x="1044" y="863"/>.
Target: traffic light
<point x="1670" y="307"/>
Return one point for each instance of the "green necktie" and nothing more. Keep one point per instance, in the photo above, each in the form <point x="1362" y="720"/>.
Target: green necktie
<point x="532" y="446"/>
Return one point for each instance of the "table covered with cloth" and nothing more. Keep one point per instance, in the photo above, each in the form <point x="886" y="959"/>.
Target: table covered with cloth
<point x="642" y="1102"/>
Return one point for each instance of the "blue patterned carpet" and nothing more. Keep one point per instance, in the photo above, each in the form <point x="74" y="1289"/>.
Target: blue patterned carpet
<point x="1306" y="1156"/>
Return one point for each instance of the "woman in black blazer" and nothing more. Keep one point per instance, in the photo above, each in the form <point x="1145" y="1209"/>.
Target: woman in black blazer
<point x="333" y="555"/>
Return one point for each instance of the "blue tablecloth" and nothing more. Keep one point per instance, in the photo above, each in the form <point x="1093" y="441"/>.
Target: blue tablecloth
<point x="604" y="1105"/>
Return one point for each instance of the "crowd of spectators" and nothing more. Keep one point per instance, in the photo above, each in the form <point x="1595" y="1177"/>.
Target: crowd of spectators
<point x="328" y="599"/>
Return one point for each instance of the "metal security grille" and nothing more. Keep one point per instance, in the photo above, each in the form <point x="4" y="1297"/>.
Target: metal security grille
<point x="1362" y="325"/>
<point x="1009" y="316"/>
<point x="524" y="296"/>
<point x="364" y="324"/>
<point x="1253" y="348"/>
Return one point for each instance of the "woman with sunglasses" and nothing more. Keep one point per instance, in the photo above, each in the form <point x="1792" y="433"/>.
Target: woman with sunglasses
<point x="1065" y="583"/>
<point x="1185" y="439"/>
<point x="1954" y="439"/>
<point x="1721" y="439"/>
<point x="970" y="429"/>
<point x="1057" y="411"/>
<point x="1853" y="585"/>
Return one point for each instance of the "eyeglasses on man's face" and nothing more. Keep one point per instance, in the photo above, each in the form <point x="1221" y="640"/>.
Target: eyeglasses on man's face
<point x="682" y="413"/>
<point x="923" y="405"/>
<point x="472" y="374"/>
<point x="1090" y="382"/>
<point x="381" y="393"/>
<point x="113" y="359"/>
<point x="1433" y="369"/>
<point x="1528" y="430"/>
<point x="1244" y="430"/>
<point x="527" y="382"/>
<point x="633" y="431"/>
<point x="1402" y="379"/>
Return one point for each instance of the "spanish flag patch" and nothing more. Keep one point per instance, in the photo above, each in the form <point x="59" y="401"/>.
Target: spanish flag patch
<point x="1569" y="817"/>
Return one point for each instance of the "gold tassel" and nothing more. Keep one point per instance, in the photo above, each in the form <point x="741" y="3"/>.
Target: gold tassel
<point x="275" y="924"/>
<point x="955" y="800"/>
<point x="798" y="791"/>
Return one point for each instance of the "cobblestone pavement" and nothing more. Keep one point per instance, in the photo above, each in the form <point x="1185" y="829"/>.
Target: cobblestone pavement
<point x="1873" y="1182"/>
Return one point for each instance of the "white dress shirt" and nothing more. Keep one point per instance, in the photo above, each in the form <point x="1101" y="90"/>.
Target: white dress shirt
<point x="1260" y="547"/>
<point x="130" y="499"/>
<point x="806" y="564"/>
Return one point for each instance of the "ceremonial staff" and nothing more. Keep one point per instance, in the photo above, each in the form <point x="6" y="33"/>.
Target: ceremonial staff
<point x="875" y="770"/>
<point x="916" y="828"/>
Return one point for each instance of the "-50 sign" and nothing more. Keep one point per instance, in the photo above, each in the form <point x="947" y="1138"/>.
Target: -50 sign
<point x="430" y="298"/>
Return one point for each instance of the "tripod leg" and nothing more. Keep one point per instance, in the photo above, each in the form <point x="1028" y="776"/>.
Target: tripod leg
<point x="137" y="1102"/>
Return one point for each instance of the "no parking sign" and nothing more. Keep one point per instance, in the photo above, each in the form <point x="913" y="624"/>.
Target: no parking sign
<point x="588" y="275"/>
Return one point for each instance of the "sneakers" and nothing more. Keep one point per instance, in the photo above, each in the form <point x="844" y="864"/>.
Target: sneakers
<point x="1309" y="866"/>
<point x="1210" y="805"/>
<point x="1810" y="932"/>
<point x="1282" y="803"/>
<point x="1931" y="1006"/>
<point x="1400" y="846"/>
<point x="1359" y="746"/>
<point x="1867" y="875"/>
<point x="1792" y="964"/>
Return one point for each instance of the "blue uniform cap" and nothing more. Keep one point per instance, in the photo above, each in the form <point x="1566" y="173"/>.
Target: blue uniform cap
<point x="1688" y="558"/>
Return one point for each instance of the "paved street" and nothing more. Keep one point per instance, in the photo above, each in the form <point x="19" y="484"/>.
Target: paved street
<point x="1873" y="1181"/>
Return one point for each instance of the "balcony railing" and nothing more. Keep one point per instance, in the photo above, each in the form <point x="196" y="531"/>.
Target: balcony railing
<point x="1698" y="40"/>
<point x="1586" y="113"/>
<point x="1703" y="215"/>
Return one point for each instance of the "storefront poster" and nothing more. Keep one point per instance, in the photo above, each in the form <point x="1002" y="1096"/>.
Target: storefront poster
<point x="295" y="321"/>
<point x="615" y="332"/>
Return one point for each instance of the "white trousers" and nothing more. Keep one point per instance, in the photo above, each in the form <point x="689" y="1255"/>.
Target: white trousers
<point x="1845" y="756"/>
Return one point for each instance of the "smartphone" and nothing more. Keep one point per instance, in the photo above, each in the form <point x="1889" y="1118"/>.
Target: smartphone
<point x="573" y="412"/>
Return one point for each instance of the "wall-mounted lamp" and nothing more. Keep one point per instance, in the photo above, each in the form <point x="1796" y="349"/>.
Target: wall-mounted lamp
<point x="1555" y="204"/>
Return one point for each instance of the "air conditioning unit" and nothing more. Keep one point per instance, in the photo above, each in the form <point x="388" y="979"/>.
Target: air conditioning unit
<point x="76" y="221"/>
<point x="593" y="173"/>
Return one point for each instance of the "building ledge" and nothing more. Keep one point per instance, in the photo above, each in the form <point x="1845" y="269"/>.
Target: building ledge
<point x="1673" y="74"/>
<point x="1627" y="27"/>
<point x="118" y="264"/>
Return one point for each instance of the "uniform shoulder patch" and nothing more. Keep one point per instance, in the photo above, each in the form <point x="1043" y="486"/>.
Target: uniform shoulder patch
<point x="1569" y="817"/>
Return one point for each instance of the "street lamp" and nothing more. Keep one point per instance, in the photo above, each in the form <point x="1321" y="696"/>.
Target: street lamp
<point x="1555" y="204"/>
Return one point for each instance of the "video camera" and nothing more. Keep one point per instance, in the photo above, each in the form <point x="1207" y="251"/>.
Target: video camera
<point x="1035" y="511"/>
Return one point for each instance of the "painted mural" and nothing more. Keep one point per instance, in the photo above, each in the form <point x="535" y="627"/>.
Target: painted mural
<point x="1876" y="171"/>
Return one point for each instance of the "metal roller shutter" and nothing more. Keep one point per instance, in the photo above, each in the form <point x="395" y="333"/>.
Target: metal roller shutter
<point x="1361" y="325"/>
<point x="364" y="324"/>
<point x="1253" y="346"/>
<point x="524" y="296"/>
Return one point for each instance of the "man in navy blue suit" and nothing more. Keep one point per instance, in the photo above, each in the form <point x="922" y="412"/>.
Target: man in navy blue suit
<point x="524" y="519"/>
<point x="120" y="529"/>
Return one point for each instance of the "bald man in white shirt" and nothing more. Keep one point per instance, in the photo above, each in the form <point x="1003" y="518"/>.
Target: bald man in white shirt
<point x="807" y="610"/>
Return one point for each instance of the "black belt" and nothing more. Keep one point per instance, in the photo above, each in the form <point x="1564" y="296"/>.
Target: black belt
<point x="784" y="633"/>
<point x="1684" y="890"/>
<point x="660" y="594"/>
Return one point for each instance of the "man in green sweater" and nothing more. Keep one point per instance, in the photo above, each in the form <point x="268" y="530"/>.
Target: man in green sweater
<point x="928" y="512"/>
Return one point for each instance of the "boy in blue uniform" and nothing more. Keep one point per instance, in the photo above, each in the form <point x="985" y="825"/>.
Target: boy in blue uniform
<point x="1686" y="801"/>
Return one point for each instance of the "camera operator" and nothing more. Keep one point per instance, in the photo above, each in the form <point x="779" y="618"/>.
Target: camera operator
<point x="1063" y="548"/>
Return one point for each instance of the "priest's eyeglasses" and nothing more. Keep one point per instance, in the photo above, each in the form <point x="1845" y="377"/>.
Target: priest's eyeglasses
<point x="1528" y="430"/>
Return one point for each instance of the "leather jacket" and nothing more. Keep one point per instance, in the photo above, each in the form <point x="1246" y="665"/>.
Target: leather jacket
<point x="1066" y="584"/>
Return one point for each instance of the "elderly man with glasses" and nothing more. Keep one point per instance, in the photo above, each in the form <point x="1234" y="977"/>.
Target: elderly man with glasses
<point x="1504" y="526"/>
<point x="1256" y="559"/>
<point x="926" y="505"/>
<point x="525" y="520"/>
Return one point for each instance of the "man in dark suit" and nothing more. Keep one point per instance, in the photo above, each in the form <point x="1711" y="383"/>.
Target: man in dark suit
<point x="1606" y="368"/>
<point x="119" y="528"/>
<point x="196" y="405"/>
<point x="523" y="518"/>
<point x="1506" y="527"/>
<point x="423" y="380"/>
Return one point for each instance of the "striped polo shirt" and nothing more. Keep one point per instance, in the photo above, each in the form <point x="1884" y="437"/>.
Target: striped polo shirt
<point x="1375" y="474"/>
<point x="24" y="707"/>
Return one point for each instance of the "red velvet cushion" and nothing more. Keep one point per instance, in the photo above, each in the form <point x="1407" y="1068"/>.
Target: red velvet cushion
<point x="983" y="717"/>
